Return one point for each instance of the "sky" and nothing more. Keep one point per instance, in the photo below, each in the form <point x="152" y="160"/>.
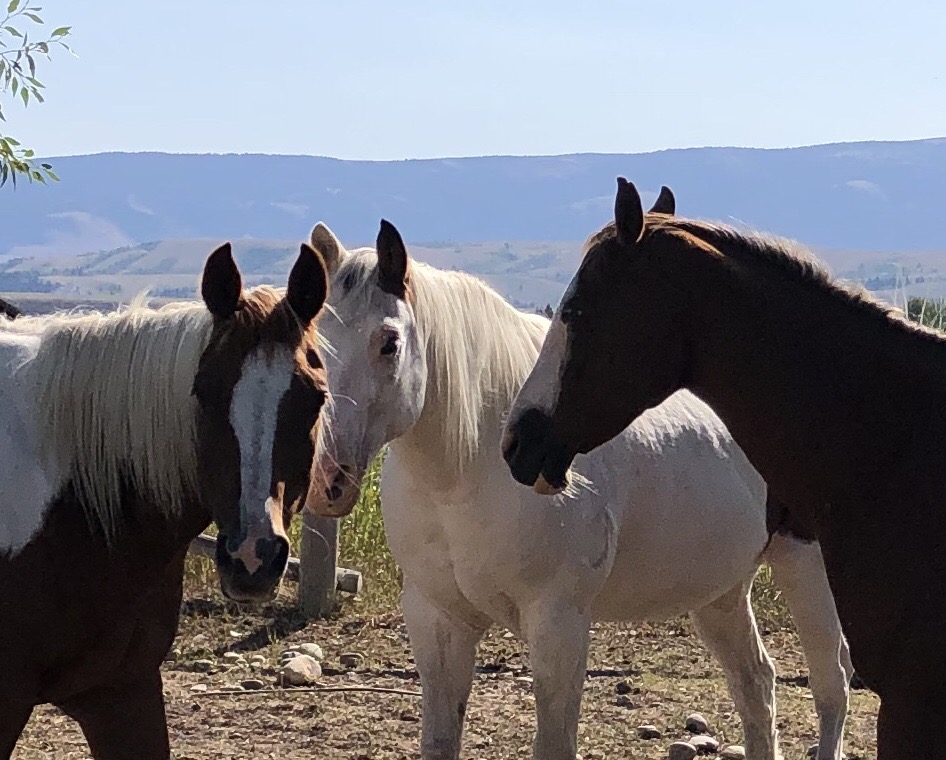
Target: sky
<point x="371" y="79"/>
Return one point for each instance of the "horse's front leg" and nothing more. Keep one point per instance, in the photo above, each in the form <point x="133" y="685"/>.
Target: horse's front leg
<point x="728" y="628"/>
<point x="557" y="633"/>
<point x="124" y="720"/>
<point x="445" y="652"/>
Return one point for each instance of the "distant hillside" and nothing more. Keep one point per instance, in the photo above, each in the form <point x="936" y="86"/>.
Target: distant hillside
<point x="526" y="273"/>
<point x="859" y="196"/>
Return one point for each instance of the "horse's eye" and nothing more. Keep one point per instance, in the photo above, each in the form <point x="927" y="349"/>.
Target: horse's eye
<point x="389" y="346"/>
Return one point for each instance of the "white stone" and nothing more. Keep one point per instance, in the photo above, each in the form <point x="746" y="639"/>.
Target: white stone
<point x="301" y="671"/>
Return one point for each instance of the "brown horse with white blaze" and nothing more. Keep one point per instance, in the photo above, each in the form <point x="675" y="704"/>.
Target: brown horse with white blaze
<point x="122" y="436"/>
<point x="838" y="402"/>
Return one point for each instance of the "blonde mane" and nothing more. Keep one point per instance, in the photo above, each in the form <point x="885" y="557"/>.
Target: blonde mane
<point x="480" y="349"/>
<point x="113" y="392"/>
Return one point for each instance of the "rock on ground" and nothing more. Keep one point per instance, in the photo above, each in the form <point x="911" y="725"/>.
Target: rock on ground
<point x="649" y="732"/>
<point x="301" y="671"/>
<point x="681" y="751"/>
<point x="704" y="744"/>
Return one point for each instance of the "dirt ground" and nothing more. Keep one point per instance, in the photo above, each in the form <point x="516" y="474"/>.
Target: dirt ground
<point x="664" y="670"/>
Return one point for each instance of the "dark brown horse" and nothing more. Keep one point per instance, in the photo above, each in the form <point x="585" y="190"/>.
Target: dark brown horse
<point x="121" y="436"/>
<point x="838" y="402"/>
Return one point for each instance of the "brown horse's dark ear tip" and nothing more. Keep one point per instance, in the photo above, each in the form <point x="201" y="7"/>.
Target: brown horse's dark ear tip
<point x="221" y="252"/>
<point x="307" y="250"/>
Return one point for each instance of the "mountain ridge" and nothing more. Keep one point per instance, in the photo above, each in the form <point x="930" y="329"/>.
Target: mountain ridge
<point x="870" y="196"/>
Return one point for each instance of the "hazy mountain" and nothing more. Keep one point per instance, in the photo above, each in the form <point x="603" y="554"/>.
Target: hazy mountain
<point x="858" y="196"/>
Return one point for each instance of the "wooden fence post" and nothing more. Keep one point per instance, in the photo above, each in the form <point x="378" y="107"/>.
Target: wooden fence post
<point x="318" y="561"/>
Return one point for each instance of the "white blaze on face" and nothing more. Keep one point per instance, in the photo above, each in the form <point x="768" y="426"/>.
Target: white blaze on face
<point x="254" y="411"/>
<point x="541" y="388"/>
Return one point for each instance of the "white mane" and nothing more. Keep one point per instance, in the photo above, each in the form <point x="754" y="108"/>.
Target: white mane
<point x="480" y="349"/>
<point x="114" y="400"/>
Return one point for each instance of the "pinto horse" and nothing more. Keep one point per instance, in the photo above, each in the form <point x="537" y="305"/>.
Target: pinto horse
<point x="429" y="362"/>
<point x="837" y="400"/>
<point x="122" y="436"/>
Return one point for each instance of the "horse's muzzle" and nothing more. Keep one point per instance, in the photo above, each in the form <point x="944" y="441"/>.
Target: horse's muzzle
<point x="252" y="571"/>
<point x="534" y="459"/>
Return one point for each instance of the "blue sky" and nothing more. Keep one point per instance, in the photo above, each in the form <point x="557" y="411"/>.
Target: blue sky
<point x="384" y="80"/>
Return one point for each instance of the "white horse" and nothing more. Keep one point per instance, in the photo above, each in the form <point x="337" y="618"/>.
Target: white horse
<point x="671" y="519"/>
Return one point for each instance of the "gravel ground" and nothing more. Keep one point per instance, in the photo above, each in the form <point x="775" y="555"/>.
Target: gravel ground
<point x="664" y="672"/>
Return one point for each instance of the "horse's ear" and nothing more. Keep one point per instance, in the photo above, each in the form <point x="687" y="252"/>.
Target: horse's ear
<point x="221" y="286"/>
<point x="393" y="262"/>
<point x="323" y="240"/>
<point x="665" y="203"/>
<point x="308" y="284"/>
<point x="628" y="213"/>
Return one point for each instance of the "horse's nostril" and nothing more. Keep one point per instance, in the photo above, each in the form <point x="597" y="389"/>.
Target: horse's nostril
<point x="511" y="448"/>
<point x="333" y="493"/>
<point x="272" y="551"/>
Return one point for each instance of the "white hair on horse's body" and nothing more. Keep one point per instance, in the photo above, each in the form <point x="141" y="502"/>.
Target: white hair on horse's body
<point x="113" y="404"/>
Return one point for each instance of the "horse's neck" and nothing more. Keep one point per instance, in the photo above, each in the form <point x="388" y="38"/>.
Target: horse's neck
<point x="35" y="483"/>
<point x="423" y="449"/>
<point x="426" y="446"/>
<point x="813" y="388"/>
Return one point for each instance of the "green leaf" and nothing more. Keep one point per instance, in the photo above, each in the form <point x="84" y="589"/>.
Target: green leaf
<point x="52" y="176"/>
<point x="11" y="141"/>
<point x="14" y="4"/>
<point x="25" y="94"/>
<point x="61" y="31"/>
<point x="33" y="17"/>
<point x="14" y="31"/>
<point x="16" y="86"/>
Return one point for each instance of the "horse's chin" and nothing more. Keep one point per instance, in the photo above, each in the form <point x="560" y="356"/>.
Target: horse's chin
<point x="544" y="488"/>
<point x="320" y="506"/>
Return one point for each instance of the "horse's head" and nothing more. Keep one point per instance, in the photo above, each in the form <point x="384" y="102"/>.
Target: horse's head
<point x="616" y="347"/>
<point x="377" y="367"/>
<point x="260" y="388"/>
